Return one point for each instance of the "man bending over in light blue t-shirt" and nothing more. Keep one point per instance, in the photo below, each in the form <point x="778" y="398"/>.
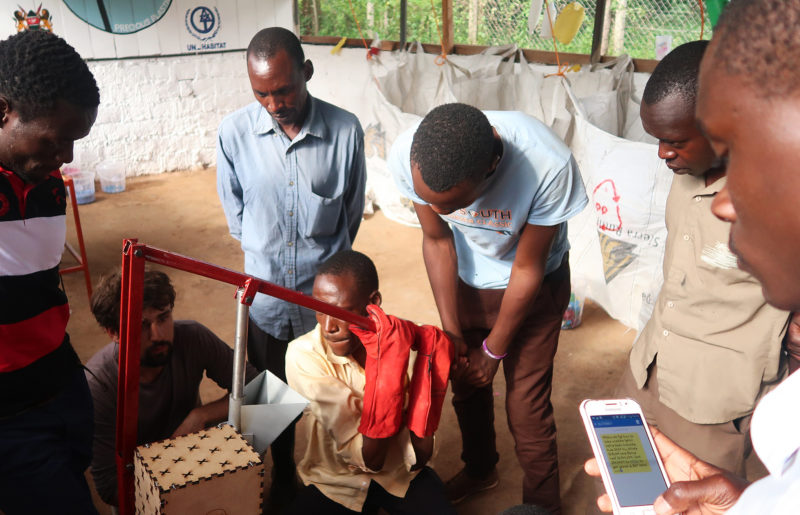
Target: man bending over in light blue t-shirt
<point x="493" y="192"/>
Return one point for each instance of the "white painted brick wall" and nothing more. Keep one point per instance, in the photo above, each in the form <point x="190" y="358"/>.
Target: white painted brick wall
<point x="161" y="114"/>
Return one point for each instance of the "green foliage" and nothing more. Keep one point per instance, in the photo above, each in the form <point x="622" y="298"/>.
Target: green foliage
<point x="335" y="18"/>
<point x="500" y="22"/>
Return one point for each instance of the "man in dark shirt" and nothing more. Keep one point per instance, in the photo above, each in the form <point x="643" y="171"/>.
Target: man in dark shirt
<point x="48" y="100"/>
<point x="174" y="356"/>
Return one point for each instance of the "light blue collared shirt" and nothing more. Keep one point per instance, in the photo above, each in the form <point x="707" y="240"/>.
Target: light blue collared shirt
<point x="291" y="203"/>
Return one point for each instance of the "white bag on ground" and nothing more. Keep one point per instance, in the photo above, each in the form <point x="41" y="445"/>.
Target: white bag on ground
<point x="618" y="241"/>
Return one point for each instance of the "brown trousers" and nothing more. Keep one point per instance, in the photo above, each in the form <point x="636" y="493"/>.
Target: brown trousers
<point x="725" y="445"/>
<point x="528" y="373"/>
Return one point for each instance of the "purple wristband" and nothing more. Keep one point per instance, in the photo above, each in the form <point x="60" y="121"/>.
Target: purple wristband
<point x="492" y="354"/>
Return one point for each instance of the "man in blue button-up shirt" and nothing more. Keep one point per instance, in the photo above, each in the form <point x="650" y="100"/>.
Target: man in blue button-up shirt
<point x="291" y="177"/>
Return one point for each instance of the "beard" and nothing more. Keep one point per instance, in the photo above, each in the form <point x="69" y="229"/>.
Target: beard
<point x="157" y="360"/>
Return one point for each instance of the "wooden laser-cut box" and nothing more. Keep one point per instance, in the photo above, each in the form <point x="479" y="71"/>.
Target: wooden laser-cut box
<point x="211" y="472"/>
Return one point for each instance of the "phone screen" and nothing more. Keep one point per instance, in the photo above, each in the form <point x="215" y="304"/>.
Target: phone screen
<point x="630" y="459"/>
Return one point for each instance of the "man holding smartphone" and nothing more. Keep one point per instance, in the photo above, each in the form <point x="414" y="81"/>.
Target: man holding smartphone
<point x="633" y="473"/>
<point x="749" y="108"/>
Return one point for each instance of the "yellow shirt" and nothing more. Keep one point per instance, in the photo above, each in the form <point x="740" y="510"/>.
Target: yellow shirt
<point x="717" y="340"/>
<point x="332" y="461"/>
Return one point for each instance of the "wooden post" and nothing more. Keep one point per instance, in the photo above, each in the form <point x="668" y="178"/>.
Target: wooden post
<point x="370" y="17"/>
<point x="474" y="15"/>
<point x="448" y="36"/>
<point x="606" y="29"/>
<point x="403" y="21"/>
<point x="600" y="31"/>
<point x="315" y="9"/>
<point x="619" y="26"/>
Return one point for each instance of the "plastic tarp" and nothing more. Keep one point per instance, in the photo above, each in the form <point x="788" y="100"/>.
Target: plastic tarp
<point x="618" y="241"/>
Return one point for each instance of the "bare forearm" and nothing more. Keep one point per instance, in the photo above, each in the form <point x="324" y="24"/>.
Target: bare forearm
<point x="527" y="274"/>
<point x="374" y="451"/>
<point x="794" y="359"/>
<point x="441" y="263"/>
<point x="204" y="416"/>
<point x="522" y="290"/>
<point x="423" y="449"/>
<point x="791" y="342"/>
<point x="215" y="412"/>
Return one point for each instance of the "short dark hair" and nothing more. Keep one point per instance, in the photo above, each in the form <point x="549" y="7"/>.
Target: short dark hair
<point x="268" y="42"/>
<point x="158" y="294"/>
<point x="758" y="41"/>
<point x="454" y="143"/>
<point x="37" y="69"/>
<point x="676" y="74"/>
<point x="357" y="265"/>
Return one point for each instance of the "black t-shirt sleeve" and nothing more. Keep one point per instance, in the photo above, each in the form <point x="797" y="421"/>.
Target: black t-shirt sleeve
<point x="217" y="357"/>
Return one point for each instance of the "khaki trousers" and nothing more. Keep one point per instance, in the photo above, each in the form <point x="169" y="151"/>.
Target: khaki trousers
<point x="724" y="445"/>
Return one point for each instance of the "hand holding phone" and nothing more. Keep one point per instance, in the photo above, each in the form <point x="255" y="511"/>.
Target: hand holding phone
<point x="632" y="471"/>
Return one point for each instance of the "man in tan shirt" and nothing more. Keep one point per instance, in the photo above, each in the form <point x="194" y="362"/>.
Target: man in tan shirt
<point x="712" y="347"/>
<point x="345" y="471"/>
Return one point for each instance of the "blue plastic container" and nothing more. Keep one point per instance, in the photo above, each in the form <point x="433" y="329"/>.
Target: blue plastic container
<point x="84" y="187"/>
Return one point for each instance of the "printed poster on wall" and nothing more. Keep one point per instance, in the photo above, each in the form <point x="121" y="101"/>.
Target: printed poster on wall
<point x="107" y="29"/>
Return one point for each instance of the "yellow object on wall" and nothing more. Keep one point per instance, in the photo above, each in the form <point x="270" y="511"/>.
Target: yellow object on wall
<point x="335" y="50"/>
<point x="568" y="22"/>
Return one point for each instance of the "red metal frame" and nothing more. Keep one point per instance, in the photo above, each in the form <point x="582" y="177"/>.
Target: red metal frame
<point x="83" y="262"/>
<point x="134" y="255"/>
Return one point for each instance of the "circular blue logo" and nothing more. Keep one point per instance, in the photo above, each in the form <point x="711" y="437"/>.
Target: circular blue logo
<point x="119" y="17"/>
<point x="202" y="22"/>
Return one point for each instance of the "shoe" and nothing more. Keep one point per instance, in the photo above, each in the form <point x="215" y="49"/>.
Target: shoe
<point x="461" y="486"/>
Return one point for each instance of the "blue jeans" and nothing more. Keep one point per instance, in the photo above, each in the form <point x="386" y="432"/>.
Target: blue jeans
<point x="44" y="452"/>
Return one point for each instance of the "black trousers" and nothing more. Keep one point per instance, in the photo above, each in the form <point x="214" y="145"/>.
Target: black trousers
<point x="425" y="495"/>
<point x="44" y="452"/>
<point x="266" y="352"/>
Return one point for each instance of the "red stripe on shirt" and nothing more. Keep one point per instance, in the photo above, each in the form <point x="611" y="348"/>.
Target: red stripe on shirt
<point x="24" y="342"/>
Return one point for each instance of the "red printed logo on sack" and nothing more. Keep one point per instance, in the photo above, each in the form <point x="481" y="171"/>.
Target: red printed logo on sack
<point x="59" y="197"/>
<point x="606" y="205"/>
<point x="5" y="205"/>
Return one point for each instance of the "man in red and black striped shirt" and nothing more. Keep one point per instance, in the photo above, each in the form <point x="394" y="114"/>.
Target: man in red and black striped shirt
<point x="48" y="100"/>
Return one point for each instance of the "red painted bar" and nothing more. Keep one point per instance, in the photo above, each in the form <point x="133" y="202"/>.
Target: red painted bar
<point x="134" y="256"/>
<point x="83" y="260"/>
<point x="226" y="275"/>
<point x="130" y="333"/>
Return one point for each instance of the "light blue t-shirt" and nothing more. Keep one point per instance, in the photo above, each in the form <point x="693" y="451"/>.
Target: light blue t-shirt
<point x="536" y="182"/>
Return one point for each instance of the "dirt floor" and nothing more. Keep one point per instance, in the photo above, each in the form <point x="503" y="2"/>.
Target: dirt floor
<point x="180" y="212"/>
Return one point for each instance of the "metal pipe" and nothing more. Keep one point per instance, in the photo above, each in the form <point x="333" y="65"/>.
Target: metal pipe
<point x="239" y="353"/>
<point x="600" y="29"/>
<point x="130" y="333"/>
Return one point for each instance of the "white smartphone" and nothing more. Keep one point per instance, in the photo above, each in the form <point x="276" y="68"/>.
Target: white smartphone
<point x="629" y="464"/>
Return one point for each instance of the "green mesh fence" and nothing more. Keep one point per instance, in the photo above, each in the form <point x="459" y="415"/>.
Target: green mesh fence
<point x="631" y="26"/>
